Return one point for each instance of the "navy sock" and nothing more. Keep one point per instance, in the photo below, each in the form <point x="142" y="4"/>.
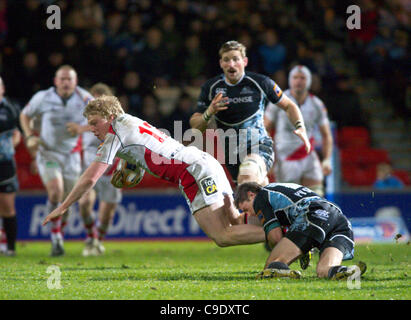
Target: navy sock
<point x="334" y="270"/>
<point x="278" y="265"/>
<point x="10" y="228"/>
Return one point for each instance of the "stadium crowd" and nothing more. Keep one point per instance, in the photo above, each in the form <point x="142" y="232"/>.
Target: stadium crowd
<point x="155" y="55"/>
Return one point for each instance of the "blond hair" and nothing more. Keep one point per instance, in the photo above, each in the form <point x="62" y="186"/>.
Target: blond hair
<point x="100" y="89"/>
<point x="232" y="45"/>
<point x="105" y="106"/>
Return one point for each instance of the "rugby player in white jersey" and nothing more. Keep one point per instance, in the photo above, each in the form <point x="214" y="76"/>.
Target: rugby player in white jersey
<point x="58" y="161"/>
<point x="108" y="195"/>
<point x="293" y="164"/>
<point x="200" y="177"/>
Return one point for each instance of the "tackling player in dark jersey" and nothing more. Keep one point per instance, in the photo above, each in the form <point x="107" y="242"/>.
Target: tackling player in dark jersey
<point x="312" y="222"/>
<point x="9" y="138"/>
<point x="236" y="99"/>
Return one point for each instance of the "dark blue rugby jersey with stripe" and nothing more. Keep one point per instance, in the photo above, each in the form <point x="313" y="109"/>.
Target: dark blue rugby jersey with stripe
<point x="247" y="101"/>
<point x="282" y="203"/>
<point x="9" y="121"/>
<point x="247" y="98"/>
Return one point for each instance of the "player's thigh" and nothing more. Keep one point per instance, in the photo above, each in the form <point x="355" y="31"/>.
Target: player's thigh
<point x="288" y="171"/>
<point x="87" y="201"/>
<point x="71" y="170"/>
<point x="312" y="170"/>
<point x="50" y="169"/>
<point x="7" y="204"/>
<point x="330" y="257"/>
<point x="204" y="183"/>
<point x="285" y="251"/>
<point x="212" y="219"/>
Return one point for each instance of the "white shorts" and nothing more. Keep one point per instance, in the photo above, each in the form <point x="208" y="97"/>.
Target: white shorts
<point x="52" y="165"/>
<point x="106" y="191"/>
<point x="204" y="182"/>
<point x="295" y="170"/>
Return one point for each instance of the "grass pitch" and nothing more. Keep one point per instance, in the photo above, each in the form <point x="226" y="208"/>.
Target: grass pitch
<point x="197" y="270"/>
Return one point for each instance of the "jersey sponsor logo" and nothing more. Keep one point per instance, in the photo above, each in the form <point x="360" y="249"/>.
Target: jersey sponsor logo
<point x="277" y="90"/>
<point x="246" y="90"/>
<point x="221" y="90"/>
<point x="240" y="99"/>
<point x="209" y="186"/>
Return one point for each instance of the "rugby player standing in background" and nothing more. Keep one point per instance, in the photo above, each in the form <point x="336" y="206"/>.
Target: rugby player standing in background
<point x="292" y="163"/>
<point x="236" y="99"/>
<point x="9" y="138"/>
<point x="57" y="157"/>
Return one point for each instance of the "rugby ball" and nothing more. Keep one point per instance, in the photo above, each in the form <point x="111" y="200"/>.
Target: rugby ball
<point x="131" y="173"/>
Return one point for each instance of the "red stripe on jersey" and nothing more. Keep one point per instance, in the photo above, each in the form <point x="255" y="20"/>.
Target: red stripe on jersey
<point x="172" y="170"/>
<point x="113" y="167"/>
<point x="79" y="145"/>
<point x="111" y="130"/>
<point x="300" y="153"/>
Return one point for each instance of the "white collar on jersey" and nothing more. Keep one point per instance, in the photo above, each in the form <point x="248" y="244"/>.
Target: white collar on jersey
<point x="233" y="85"/>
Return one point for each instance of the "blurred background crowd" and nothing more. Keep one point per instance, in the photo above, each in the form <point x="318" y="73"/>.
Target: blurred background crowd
<point x="157" y="54"/>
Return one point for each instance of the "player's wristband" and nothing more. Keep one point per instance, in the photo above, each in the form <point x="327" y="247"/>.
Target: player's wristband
<point x="206" y="116"/>
<point x="326" y="162"/>
<point x="298" y="124"/>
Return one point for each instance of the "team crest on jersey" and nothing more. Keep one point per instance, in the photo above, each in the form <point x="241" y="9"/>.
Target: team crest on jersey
<point x="209" y="186"/>
<point x="260" y="217"/>
<point x="246" y="90"/>
<point x="277" y="90"/>
<point x="221" y="90"/>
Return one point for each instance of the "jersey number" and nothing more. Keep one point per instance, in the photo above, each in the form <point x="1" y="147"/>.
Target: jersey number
<point x="150" y="130"/>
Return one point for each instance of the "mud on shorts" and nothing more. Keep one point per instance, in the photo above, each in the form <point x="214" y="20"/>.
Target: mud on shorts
<point x="204" y="182"/>
<point x="266" y="152"/>
<point x="323" y="226"/>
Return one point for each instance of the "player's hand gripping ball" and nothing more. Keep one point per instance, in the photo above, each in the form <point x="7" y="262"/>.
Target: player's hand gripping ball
<point x="127" y="175"/>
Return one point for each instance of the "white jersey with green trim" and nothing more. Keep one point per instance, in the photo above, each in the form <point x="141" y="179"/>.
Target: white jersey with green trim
<point x="54" y="113"/>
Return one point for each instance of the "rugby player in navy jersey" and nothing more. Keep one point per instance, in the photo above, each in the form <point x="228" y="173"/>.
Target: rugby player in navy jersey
<point x="236" y="99"/>
<point x="312" y="221"/>
<point x="9" y="138"/>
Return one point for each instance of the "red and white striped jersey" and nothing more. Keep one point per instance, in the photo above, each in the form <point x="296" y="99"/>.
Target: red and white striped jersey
<point x="289" y="146"/>
<point x="139" y="143"/>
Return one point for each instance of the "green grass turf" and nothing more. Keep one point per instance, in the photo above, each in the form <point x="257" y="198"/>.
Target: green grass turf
<point x="192" y="270"/>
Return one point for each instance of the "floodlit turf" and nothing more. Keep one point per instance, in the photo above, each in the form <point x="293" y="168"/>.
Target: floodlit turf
<point x="191" y="270"/>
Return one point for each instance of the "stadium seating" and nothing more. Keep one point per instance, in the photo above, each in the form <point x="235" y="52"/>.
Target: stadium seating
<point x="403" y="175"/>
<point x="353" y="137"/>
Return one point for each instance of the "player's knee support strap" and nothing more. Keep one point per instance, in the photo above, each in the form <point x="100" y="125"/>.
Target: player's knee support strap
<point x="253" y="166"/>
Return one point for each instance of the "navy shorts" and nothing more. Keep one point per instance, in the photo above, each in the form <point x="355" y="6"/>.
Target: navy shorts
<point x="8" y="177"/>
<point x="325" y="227"/>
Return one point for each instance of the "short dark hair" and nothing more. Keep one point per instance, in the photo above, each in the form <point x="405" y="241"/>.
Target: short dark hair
<point x="232" y="45"/>
<point x="242" y="191"/>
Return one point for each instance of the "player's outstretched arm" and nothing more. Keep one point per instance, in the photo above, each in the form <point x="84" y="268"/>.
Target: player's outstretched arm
<point x="87" y="181"/>
<point x="296" y="118"/>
